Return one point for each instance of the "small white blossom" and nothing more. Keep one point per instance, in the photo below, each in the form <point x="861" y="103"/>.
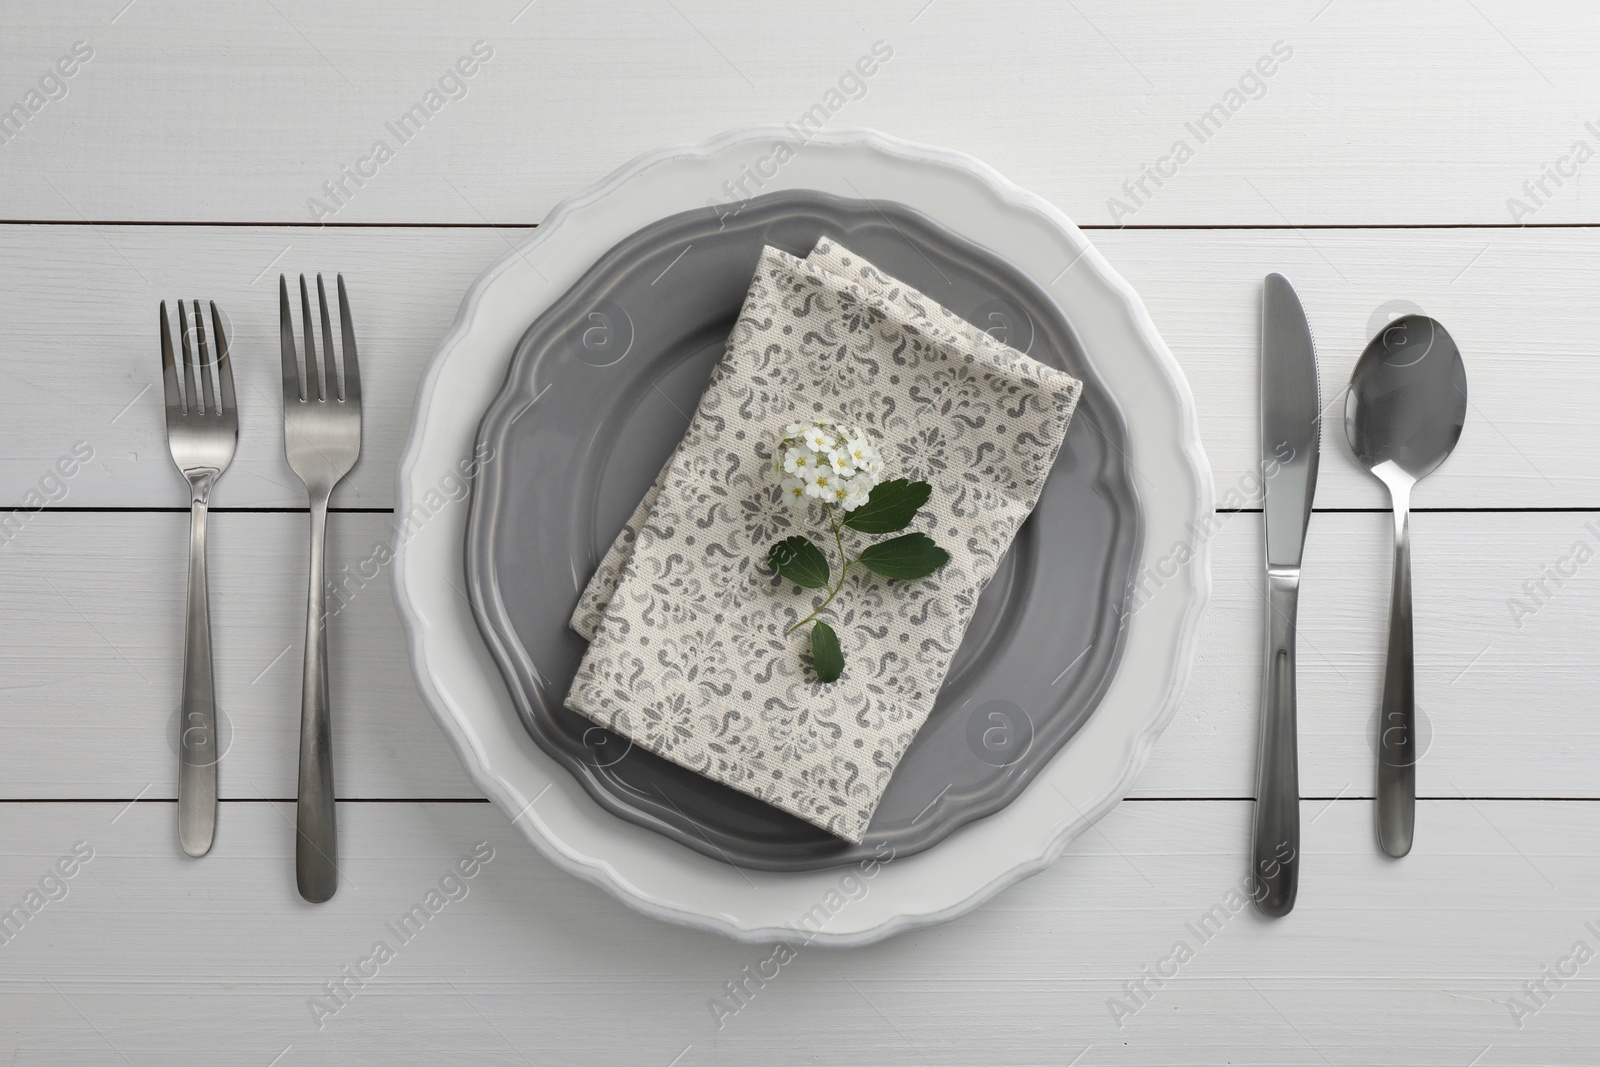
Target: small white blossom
<point x="827" y="463"/>
<point x="819" y="440"/>
<point x="794" y="491"/>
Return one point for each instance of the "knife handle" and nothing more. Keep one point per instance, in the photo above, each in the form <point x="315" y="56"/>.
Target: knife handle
<point x="1275" y="840"/>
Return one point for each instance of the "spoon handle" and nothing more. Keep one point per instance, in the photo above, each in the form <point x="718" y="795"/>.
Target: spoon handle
<point x="1397" y="726"/>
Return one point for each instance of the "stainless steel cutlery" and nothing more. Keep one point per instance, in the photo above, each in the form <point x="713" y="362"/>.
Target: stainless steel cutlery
<point x="1407" y="404"/>
<point x="1403" y="416"/>
<point x="1291" y="424"/>
<point x="322" y="437"/>
<point x="202" y="433"/>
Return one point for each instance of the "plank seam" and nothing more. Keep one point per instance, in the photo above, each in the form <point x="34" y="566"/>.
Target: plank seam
<point x="1087" y="227"/>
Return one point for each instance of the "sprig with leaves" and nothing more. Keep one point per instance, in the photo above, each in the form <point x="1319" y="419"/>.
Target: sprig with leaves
<point x="839" y="469"/>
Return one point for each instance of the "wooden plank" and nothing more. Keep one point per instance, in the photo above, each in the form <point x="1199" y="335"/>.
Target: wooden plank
<point x="154" y="958"/>
<point x="94" y="621"/>
<point x="1505" y="625"/>
<point x="1518" y="303"/>
<point x="80" y="357"/>
<point x="1073" y="101"/>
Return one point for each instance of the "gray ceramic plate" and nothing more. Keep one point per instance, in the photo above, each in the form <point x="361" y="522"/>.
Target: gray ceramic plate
<point x="598" y="394"/>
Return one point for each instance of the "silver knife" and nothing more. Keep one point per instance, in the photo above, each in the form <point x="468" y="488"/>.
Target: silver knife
<point x="1291" y="430"/>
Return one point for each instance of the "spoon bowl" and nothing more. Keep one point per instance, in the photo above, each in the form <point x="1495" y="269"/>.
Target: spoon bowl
<point x="1407" y="399"/>
<point x="1403" y="416"/>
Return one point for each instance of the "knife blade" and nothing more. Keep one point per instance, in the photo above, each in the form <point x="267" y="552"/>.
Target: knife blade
<point x="1291" y="421"/>
<point x="1291" y="431"/>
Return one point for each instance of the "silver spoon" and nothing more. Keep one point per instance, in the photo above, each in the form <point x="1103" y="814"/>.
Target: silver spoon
<point x="1407" y="402"/>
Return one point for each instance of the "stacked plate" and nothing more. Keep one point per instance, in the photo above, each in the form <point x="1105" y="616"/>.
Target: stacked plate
<point x="568" y="380"/>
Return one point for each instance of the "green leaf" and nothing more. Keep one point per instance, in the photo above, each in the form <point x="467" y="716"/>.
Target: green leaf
<point x="892" y="506"/>
<point x="800" y="561"/>
<point x="826" y="657"/>
<point x="912" y="556"/>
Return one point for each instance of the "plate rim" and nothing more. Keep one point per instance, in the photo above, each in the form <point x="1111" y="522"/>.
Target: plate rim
<point x="1192" y="577"/>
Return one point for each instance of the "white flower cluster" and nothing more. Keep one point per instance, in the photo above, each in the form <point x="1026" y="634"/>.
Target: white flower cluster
<point x="822" y="462"/>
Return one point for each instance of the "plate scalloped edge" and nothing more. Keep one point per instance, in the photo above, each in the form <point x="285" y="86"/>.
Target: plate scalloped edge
<point x="1192" y="577"/>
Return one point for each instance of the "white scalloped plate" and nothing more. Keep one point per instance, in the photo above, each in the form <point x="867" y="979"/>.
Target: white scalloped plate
<point x="644" y="870"/>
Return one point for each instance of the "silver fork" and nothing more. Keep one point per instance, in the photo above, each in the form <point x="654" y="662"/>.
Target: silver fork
<point x="202" y="432"/>
<point x="322" y="437"/>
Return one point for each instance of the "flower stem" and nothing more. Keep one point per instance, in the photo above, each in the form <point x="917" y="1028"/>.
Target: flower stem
<point x="838" y="539"/>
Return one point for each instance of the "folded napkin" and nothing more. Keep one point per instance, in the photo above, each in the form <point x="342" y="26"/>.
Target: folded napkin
<point x="688" y="657"/>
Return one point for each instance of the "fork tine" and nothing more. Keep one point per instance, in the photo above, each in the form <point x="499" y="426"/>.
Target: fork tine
<point x="204" y="366"/>
<point x="327" y="341"/>
<point x="189" y="394"/>
<point x="292" y="393"/>
<point x="313" y="372"/>
<point x="224" y="364"/>
<point x="169" y="368"/>
<point x="352" y="368"/>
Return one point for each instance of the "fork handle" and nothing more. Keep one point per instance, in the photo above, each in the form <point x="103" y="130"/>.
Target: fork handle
<point x="197" y="723"/>
<point x="316" y="840"/>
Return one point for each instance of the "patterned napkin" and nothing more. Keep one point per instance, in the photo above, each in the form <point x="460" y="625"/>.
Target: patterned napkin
<point x="688" y="655"/>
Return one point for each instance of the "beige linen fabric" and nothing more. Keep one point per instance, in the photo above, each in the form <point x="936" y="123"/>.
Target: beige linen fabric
<point x="687" y="654"/>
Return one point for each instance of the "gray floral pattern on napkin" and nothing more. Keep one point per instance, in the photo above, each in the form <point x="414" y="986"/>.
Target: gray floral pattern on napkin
<point x="830" y="256"/>
<point x="689" y="658"/>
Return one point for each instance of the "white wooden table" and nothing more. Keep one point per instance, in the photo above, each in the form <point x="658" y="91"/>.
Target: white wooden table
<point x="1393" y="154"/>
